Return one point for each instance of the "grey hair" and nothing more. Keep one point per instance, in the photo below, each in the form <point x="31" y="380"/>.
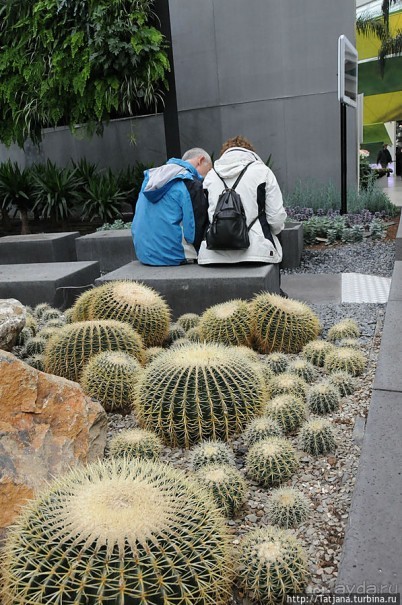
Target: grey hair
<point x="194" y="152"/>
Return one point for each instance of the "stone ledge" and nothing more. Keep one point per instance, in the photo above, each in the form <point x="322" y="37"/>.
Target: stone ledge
<point x="193" y="288"/>
<point x="38" y="248"/>
<point x="113" y="249"/>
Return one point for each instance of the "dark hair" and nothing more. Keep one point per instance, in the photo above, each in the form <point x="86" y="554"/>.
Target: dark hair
<point x="238" y="141"/>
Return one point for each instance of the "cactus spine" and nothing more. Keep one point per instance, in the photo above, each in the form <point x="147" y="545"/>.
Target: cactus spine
<point x="226" y="484"/>
<point x="197" y="392"/>
<point x="281" y="324"/>
<point x="277" y="362"/>
<point x="81" y="310"/>
<point x="34" y="346"/>
<point x="271" y="461"/>
<point x="122" y="531"/>
<point x="228" y="323"/>
<point x="303" y="369"/>
<point x="273" y="565"/>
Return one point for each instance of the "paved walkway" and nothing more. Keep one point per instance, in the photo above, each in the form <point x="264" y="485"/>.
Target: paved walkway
<point x="392" y="186"/>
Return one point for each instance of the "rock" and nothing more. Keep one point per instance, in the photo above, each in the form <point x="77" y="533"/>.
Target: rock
<point x="12" y="320"/>
<point x="47" y="425"/>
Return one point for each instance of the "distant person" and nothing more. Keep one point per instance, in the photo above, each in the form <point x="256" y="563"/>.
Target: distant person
<point x="398" y="161"/>
<point x="384" y="157"/>
<point x="260" y="196"/>
<point x="172" y="211"/>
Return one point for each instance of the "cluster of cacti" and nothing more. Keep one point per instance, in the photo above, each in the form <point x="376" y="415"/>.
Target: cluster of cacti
<point x="175" y="333"/>
<point x="288" y="410"/>
<point x="136" y="304"/>
<point x="36" y="361"/>
<point x="211" y="452"/>
<point x="122" y="531"/>
<point x="188" y="321"/>
<point x="344" y="382"/>
<point x="228" y="323"/>
<point x="287" y="384"/>
<point x="271" y="461"/>
<point x="81" y="310"/>
<point x="70" y="349"/>
<point x="304" y="369"/>
<point x="323" y="398"/>
<point x="316" y="351"/>
<point x="287" y="507"/>
<point x="277" y="362"/>
<point x="273" y="565"/>
<point x="136" y="443"/>
<point x="282" y="324"/>
<point x="35" y="346"/>
<point x="49" y="314"/>
<point x="40" y="309"/>
<point x="201" y="391"/>
<point x="347" y="328"/>
<point x="352" y="343"/>
<point x="226" y="485"/>
<point x="110" y="378"/>
<point x="345" y="359"/>
<point x="261" y="428"/>
<point x="151" y="353"/>
<point x="193" y="334"/>
<point x="24" y="336"/>
<point x="317" y="437"/>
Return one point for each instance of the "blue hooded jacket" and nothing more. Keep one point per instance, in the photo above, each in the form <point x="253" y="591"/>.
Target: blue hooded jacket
<point x="171" y="206"/>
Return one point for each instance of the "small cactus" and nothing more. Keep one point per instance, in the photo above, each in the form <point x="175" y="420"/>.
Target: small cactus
<point x="188" y="321"/>
<point x="47" y="332"/>
<point x="49" y="314"/>
<point x="40" y="309"/>
<point x="211" y="452"/>
<point x="70" y="349"/>
<point x="317" y="437"/>
<point x="227" y="323"/>
<point x="68" y="313"/>
<point x="226" y="485"/>
<point x="282" y="324"/>
<point x="345" y="383"/>
<point x="194" y="335"/>
<point x="35" y="346"/>
<point x="24" y="336"/>
<point x="175" y="333"/>
<point x="287" y="507"/>
<point x="277" y="362"/>
<point x="287" y="384"/>
<point x="56" y="323"/>
<point x="271" y="461"/>
<point x="180" y="342"/>
<point x="136" y="443"/>
<point x="273" y="565"/>
<point x="352" y="343"/>
<point x="110" y="378"/>
<point x="37" y="362"/>
<point x="303" y="369"/>
<point x="151" y="353"/>
<point x="347" y="328"/>
<point x="121" y="531"/>
<point x="136" y="304"/>
<point x="200" y="391"/>
<point x="345" y="359"/>
<point x="261" y="428"/>
<point x="31" y="324"/>
<point x="323" y="398"/>
<point x="288" y="410"/>
<point x="316" y="351"/>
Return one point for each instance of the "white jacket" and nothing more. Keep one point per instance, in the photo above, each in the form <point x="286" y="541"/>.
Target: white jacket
<point x="257" y="180"/>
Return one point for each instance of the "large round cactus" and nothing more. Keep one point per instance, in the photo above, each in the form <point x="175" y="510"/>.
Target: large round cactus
<point x="72" y="347"/>
<point x="273" y="565"/>
<point x="198" y="392"/>
<point x="110" y="378"/>
<point x="134" y="303"/>
<point x="119" y="532"/>
<point x="282" y="324"/>
<point x="271" y="461"/>
<point x="228" y="323"/>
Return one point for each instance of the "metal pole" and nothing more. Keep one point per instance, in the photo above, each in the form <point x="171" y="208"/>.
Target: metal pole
<point x="344" y="208"/>
<point x="170" y="114"/>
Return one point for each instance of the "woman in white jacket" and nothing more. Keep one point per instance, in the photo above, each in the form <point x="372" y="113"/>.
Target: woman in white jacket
<point x="260" y="196"/>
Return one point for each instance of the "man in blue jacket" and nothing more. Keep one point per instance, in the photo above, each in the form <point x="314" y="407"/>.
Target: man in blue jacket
<point x="172" y="211"/>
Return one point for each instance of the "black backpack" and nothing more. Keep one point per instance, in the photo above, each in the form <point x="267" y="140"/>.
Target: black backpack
<point x="229" y="230"/>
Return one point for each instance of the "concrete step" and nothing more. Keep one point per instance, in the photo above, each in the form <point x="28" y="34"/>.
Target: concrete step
<point x="38" y="248"/>
<point x="113" y="249"/>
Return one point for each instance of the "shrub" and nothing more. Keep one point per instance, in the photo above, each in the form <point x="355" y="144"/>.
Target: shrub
<point x="288" y="410"/>
<point x="271" y="461"/>
<point x="211" y="452"/>
<point x="122" y="530"/>
<point x="197" y="392"/>
<point x="287" y="507"/>
<point x="136" y="443"/>
<point x="282" y="324"/>
<point x="227" y="323"/>
<point x="317" y="437"/>
<point x="273" y="565"/>
<point x="226" y="485"/>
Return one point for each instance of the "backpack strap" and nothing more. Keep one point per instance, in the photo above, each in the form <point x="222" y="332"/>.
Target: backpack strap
<point x="238" y="178"/>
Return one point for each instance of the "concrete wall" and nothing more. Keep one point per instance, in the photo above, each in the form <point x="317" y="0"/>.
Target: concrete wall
<point x="261" y="68"/>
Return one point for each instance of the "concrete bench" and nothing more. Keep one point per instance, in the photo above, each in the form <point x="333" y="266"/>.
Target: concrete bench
<point x="291" y="239"/>
<point x="372" y="551"/>
<point x="39" y="282"/>
<point x="38" y="248"/>
<point x="193" y="288"/>
<point x="112" y="249"/>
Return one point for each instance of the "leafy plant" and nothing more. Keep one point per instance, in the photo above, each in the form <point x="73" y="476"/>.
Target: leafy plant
<point x="55" y="191"/>
<point x="102" y="198"/>
<point x="117" y="225"/>
<point x="16" y="189"/>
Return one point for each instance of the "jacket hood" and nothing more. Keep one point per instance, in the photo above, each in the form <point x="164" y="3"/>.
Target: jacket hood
<point x="159" y="180"/>
<point x="232" y="162"/>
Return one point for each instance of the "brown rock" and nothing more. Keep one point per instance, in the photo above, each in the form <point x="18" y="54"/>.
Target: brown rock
<point x="12" y="320"/>
<point x="47" y="425"/>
